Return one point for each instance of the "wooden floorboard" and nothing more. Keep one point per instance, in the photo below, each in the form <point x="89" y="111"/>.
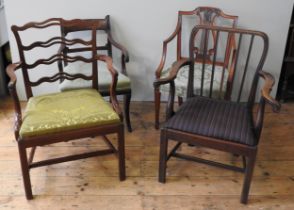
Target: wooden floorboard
<point x="93" y="183"/>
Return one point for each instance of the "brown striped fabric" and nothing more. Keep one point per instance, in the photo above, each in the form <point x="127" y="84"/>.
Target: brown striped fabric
<point x="214" y="118"/>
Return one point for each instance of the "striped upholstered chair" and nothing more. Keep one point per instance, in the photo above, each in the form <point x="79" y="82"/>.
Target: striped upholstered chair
<point x="230" y="125"/>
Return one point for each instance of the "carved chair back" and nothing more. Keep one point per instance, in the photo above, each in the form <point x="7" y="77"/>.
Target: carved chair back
<point x="203" y="16"/>
<point x="51" y="56"/>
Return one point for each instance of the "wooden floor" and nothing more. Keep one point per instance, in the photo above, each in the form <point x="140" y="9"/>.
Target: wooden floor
<point x="93" y="183"/>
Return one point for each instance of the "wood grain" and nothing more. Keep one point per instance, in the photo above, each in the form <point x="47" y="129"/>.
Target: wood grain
<point x="92" y="183"/>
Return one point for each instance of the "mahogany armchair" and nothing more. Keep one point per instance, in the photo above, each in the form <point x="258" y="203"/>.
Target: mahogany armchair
<point x="232" y="125"/>
<point x="104" y="79"/>
<point x="186" y="21"/>
<point x="62" y="116"/>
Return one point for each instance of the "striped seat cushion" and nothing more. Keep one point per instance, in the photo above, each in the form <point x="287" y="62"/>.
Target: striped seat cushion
<point x="214" y="118"/>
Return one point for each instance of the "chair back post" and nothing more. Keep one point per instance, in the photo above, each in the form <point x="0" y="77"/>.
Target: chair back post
<point x="108" y="31"/>
<point x="252" y="95"/>
<point x="94" y="61"/>
<point x="28" y="89"/>
<point x="179" y="36"/>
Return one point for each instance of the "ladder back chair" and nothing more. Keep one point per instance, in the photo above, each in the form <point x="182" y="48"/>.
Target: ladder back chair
<point x="231" y="125"/>
<point x="62" y="116"/>
<point x="102" y="46"/>
<point x="186" y="21"/>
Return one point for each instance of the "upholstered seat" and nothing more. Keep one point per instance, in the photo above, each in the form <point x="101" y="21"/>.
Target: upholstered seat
<point x="214" y="118"/>
<point x="64" y="111"/>
<point x="182" y="80"/>
<point x="104" y="78"/>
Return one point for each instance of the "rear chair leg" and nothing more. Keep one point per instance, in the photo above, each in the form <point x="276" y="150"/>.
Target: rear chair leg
<point x="25" y="171"/>
<point x="121" y="154"/>
<point x="180" y="100"/>
<point x="248" y="177"/>
<point x="127" y="100"/>
<point x="163" y="157"/>
<point x="157" y="96"/>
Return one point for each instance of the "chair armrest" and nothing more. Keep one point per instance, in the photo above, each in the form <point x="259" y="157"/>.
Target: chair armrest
<point x="12" y="90"/>
<point x="172" y="74"/>
<point x="170" y="79"/>
<point x="266" y="89"/>
<point x="114" y="75"/>
<point x="163" y="57"/>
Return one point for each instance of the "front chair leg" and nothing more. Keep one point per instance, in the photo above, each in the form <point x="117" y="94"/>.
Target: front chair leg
<point x="121" y="154"/>
<point x="157" y="96"/>
<point x="25" y="171"/>
<point x="127" y="100"/>
<point x="248" y="177"/>
<point x="163" y="157"/>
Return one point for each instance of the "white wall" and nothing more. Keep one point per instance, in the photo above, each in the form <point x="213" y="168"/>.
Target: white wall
<point x="3" y="27"/>
<point x="141" y="26"/>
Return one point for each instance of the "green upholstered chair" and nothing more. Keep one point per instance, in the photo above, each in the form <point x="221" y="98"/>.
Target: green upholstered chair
<point x="223" y="68"/>
<point x="62" y="116"/>
<point x="104" y="44"/>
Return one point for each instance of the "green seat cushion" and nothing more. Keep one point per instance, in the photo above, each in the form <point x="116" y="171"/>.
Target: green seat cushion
<point x="65" y="111"/>
<point x="182" y="80"/>
<point x="104" y="77"/>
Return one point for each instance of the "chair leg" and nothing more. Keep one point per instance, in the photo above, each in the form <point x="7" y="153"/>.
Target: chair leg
<point x="121" y="154"/>
<point x="157" y="96"/>
<point x="248" y="177"/>
<point x="127" y="100"/>
<point x="163" y="157"/>
<point x="180" y="100"/>
<point x="25" y="171"/>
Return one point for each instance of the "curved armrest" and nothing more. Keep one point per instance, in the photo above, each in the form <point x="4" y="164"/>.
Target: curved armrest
<point x="114" y="75"/>
<point x="172" y="74"/>
<point x="12" y="90"/>
<point x="266" y="89"/>
<point x="165" y="43"/>
<point x="120" y="47"/>
<point x="10" y="72"/>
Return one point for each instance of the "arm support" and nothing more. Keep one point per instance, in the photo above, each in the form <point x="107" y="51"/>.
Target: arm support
<point x="170" y="79"/>
<point x="12" y="90"/>
<point x="172" y="74"/>
<point x="114" y="75"/>
<point x="265" y="91"/>
<point x="265" y="98"/>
